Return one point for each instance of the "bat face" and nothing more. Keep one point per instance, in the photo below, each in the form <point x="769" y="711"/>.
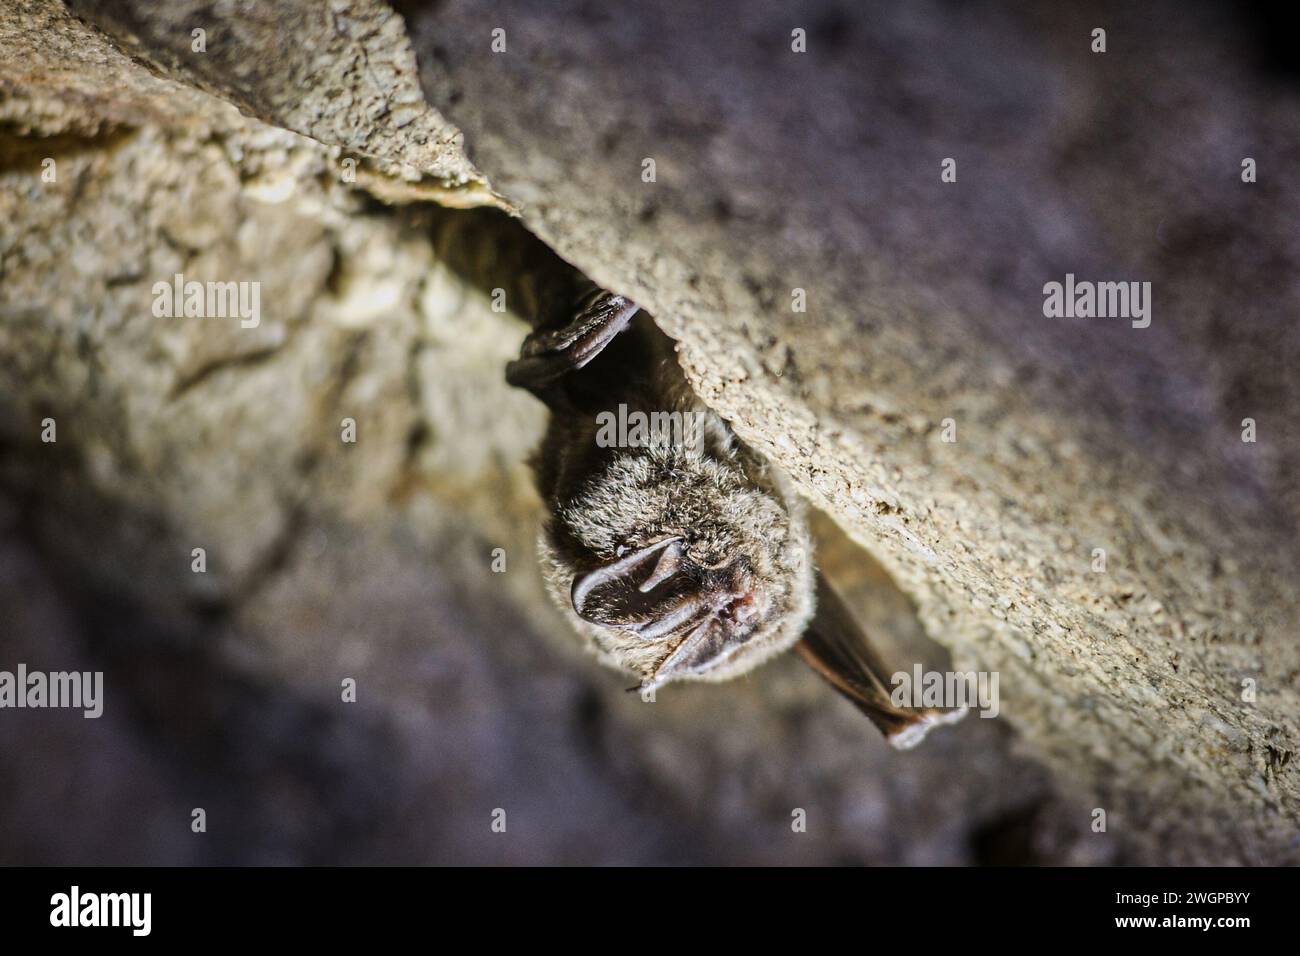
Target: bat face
<point x="678" y="567"/>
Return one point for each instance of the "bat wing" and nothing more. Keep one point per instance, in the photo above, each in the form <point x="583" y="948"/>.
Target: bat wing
<point x="837" y="648"/>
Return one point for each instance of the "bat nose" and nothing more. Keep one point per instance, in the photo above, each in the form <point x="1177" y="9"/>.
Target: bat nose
<point x="742" y="609"/>
<point x="738" y="597"/>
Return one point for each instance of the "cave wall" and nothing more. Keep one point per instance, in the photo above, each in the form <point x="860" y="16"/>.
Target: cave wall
<point x="774" y="171"/>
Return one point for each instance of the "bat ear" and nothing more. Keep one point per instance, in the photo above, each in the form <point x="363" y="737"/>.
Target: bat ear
<point x="654" y="591"/>
<point x="837" y="648"/>
<point x="703" y="647"/>
<point x="550" y="353"/>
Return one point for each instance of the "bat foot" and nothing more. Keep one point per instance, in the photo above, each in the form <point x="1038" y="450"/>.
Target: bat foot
<point x="548" y="354"/>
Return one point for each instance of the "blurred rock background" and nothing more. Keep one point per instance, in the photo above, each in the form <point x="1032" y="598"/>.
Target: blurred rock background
<point x="372" y="560"/>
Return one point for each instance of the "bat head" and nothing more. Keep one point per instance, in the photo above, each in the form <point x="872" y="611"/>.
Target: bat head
<point x="681" y="566"/>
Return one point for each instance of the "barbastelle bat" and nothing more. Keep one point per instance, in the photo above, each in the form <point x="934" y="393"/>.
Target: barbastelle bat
<point x="676" y="560"/>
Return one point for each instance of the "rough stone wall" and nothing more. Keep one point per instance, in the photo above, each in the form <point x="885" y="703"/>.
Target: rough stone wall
<point x="820" y="171"/>
<point x="372" y="560"/>
<point x="340" y="72"/>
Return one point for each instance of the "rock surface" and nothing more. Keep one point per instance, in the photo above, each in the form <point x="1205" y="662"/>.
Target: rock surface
<point x="777" y="171"/>
<point x="372" y="560"/>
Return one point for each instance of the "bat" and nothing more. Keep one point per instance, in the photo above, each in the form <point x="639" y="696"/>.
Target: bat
<point x="679" y="553"/>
